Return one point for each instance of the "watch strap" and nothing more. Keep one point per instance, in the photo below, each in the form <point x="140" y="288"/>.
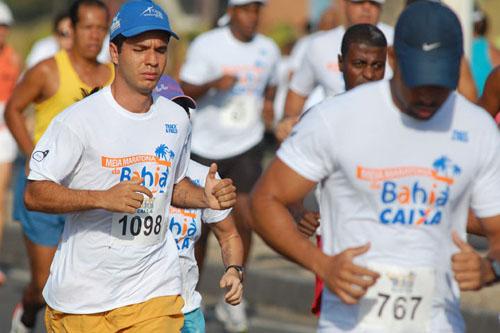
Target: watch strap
<point x="238" y="268"/>
<point x="495" y="266"/>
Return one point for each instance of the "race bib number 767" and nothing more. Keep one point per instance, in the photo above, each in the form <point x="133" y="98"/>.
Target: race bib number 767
<point x="400" y="301"/>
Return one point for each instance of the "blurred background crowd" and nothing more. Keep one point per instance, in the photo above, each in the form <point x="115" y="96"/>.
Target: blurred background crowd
<point x="36" y="29"/>
<point x="284" y="21"/>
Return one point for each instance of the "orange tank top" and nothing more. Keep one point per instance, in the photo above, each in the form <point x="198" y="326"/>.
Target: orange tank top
<point x="9" y="72"/>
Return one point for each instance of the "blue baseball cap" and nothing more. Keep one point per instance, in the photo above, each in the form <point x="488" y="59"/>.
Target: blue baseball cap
<point x="170" y="89"/>
<point x="138" y="16"/>
<point x="428" y="42"/>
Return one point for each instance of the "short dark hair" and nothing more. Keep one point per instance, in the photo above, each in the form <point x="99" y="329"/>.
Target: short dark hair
<point x="366" y="34"/>
<point x="75" y="9"/>
<point x="58" y="18"/>
<point x="118" y="41"/>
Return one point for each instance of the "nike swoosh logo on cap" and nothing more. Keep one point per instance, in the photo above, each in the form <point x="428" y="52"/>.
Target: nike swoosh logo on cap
<point x="429" y="47"/>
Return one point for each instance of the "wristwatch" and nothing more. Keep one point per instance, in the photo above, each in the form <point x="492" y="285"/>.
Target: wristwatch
<point x="239" y="269"/>
<point x="495" y="266"/>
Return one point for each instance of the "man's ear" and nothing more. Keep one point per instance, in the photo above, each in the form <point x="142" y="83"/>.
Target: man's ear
<point x="341" y="63"/>
<point x="391" y="55"/>
<point x="113" y="52"/>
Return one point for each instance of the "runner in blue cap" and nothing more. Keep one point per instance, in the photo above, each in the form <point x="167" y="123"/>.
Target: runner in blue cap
<point x="114" y="162"/>
<point x="394" y="201"/>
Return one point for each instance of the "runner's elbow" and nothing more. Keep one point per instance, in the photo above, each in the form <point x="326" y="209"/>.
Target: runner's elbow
<point x="30" y="198"/>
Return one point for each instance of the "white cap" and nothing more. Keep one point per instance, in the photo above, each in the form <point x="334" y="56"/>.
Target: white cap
<point x="5" y="15"/>
<point x="225" y="19"/>
<point x="244" y="2"/>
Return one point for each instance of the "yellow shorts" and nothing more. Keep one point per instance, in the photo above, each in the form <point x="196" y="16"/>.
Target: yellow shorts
<point x="161" y="314"/>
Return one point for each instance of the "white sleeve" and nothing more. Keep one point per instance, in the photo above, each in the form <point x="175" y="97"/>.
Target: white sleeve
<point x="214" y="216"/>
<point x="308" y="150"/>
<point x="274" y="78"/>
<point x="57" y="154"/>
<point x="298" y="53"/>
<point x="486" y="188"/>
<point x="40" y="51"/>
<point x="197" y="69"/>
<point x="303" y="80"/>
<point x="35" y="56"/>
<point x="185" y="156"/>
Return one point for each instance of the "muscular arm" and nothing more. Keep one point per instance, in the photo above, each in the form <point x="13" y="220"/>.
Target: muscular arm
<point x="466" y="85"/>
<point x="293" y="109"/>
<point x="229" y="241"/>
<point x="294" y="104"/>
<point x="268" y="110"/>
<point x="225" y="82"/>
<point x="188" y="195"/>
<point x="49" y="197"/>
<point x="217" y="194"/>
<point x="278" y="188"/>
<point x="473" y="225"/>
<point x="196" y="91"/>
<point x="490" y="100"/>
<point x="30" y="89"/>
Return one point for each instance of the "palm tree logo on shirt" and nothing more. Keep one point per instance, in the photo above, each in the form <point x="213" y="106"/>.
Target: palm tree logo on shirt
<point x="444" y="166"/>
<point x="164" y="153"/>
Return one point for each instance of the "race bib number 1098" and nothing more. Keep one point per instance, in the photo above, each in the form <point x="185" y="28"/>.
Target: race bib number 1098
<point x="400" y="301"/>
<point x="145" y="227"/>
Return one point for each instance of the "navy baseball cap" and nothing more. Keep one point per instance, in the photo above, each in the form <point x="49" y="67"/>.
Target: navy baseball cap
<point x="138" y="16"/>
<point x="170" y="89"/>
<point x="428" y="42"/>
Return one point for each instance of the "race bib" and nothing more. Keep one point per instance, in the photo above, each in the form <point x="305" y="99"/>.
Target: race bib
<point x="147" y="226"/>
<point x="400" y="301"/>
<point x="240" y="112"/>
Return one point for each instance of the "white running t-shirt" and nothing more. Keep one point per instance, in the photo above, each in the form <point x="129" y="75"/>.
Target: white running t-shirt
<point x="229" y="123"/>
<point x="185" y="226"/>
<point x="403" y="185"/>
<point x="109" y="260"/>
<point x="320" y="62"/>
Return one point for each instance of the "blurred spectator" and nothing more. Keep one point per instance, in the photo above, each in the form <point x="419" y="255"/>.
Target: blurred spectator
<point x="113" y="7"/>
<point x="320" y="67"/>
<point x="490" y="100"/>
<point x="283" y="73"/>
<point x="61" y="38"/>
<point x="482" y="50"/>
<point x="231" y="72"/>
<point x="330" y="19"/>
<point x="10" y="66"/>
